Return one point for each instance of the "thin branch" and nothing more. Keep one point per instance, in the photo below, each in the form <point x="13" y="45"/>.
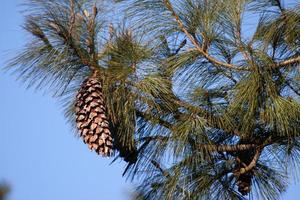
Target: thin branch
<point x="240" y="44"/>
<point x="156" y="137"/>
<point x="209" y="147"/>
<point x="194" y="42"/>
<point x="287" y="62"/>
<point x="157" y="166"/>
<point x="292" y="88"/>
<point x="211" y="119"/>
<point x="269" y="140"/>
<point x="36" y="30"/>
<point x="227" y="148"/>
<point x="251" y="165"/>
<point x="281" y="8"/>
<point x="230" y="77"/>
<point x="240" y="161"/>
<point x="151" y="118"/>
<point x="78" y="51"/>
<point x="167" y="175"/>
<point x="72" y="17"/>
<point x="91" y="38"/>
<point x="182" y="44"/>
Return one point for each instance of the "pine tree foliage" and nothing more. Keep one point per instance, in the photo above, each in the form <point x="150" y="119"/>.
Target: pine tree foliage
<point x="199" y="106"/>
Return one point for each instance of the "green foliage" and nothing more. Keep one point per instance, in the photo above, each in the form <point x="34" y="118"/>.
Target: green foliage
<point x="200" y="102"/>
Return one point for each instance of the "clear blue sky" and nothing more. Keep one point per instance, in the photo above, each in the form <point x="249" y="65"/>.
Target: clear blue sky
<point x="39" y="155"/>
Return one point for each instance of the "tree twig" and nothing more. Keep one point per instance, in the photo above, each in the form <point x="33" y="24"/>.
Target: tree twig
<point x="167" y="175"/>
<point x="152" y="118"/>
<point x="72" y="17"/>
<point x="201" y="50"/>
<point x="209" y="147"/>
<point x="292" y="88"/>
<point x="80" y="53"/>
<point x="251" y="165"/>
<point x="287" y="62"/>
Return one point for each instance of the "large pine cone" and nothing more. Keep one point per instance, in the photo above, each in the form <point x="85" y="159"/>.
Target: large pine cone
<point x="91" y="117"/>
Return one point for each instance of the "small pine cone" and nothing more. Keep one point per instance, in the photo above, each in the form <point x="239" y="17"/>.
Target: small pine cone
<point x="244" y="183"/>
<point x="91" y="117"/>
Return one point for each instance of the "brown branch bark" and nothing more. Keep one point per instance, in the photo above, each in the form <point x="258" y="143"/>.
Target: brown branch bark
<point x="251" y="165"/>
<point x="287" y="62"/>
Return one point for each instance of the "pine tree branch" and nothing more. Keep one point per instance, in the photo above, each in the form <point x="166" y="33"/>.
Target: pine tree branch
<point x="182" y="44"/>
<point x="156" y="137"/>
<point x="157" y="166"/>
<point x="251" y="165"/>
<point x="292" y="88"/>
<point x="268" y="141"/>
<point x="79" y="52"/>
<point x="154" y="119"/>
<point x="208" y="147"/>
<point x="279" y="5"/>
<point x="239" y="42"/>
<point x="287" y="62"/>
<point x="241" y="162"/>
<point x="194" y="42"/>
<point x="227" y="148"/>
<point x="72" y="17"/>
<point x="91" y="38"/>
<point x="211" y="119"/>
<point x="167" y="175"/>
<point x="35" y="29"/>
<point x="229" y="76"/>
